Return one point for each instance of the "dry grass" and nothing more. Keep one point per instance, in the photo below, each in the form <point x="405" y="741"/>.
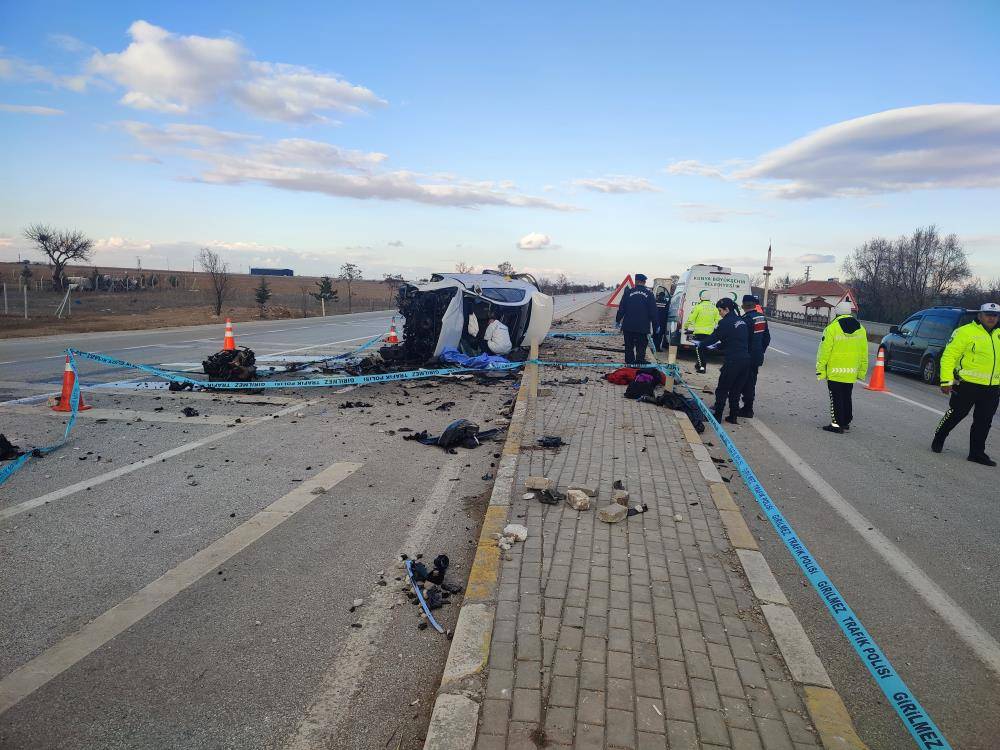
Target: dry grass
<point x="189" y="303"/>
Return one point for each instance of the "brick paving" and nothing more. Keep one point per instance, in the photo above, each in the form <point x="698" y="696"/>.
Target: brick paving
<point x="640" y="634"/>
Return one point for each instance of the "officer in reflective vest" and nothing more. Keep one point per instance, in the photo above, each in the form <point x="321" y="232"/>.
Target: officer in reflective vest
<point x="701" y="322"/>
<point x="841" y="360"/>
<point x="760" y="339"/>
<point x="973" y="354"/>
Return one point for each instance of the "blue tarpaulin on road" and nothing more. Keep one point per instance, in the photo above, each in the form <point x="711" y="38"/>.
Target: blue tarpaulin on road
<point x="481" y="362"/>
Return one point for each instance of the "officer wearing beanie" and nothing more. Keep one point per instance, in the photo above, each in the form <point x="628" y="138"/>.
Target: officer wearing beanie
<point x="732" y="334"/>
<point x="970" y="373"/>
<point x="637" y="318"/>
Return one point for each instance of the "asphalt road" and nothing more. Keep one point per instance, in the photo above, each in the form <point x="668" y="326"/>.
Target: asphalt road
<point x="175" y="582"/>
<point x="917" y="558"/>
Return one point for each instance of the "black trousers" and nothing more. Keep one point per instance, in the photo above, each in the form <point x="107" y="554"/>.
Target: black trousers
<point x="841" y="408"/>
<point x="699" y="356"/>
<point x="750" y="387"/>
<point x="964" y="398"/>
<point x="732" y="376"/>
<point x="659" y="340"/>
<point x="635" y="347"/>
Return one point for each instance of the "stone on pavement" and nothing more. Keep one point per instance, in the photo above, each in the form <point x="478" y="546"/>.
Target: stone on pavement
<point x="577" y="499"/>
<point x="612" y="513"/>
<point x="538" y="483"/>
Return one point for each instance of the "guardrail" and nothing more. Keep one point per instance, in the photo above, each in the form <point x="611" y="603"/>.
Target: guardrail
<point x="819" y="322"/>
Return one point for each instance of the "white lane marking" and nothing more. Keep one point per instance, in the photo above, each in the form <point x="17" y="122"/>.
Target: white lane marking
<point x="72" y="489"/>
<point x="779" y="351"/>
<point x="26" y="679"/>
<point x="123" y="415"/>
<point x="317" y="346"/>
<point x="318" y="727"/>
<point x="910" y="401"/>
<point x="970" y="631"/>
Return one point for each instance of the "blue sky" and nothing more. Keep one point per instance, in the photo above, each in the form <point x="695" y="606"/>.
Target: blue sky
<point x="592" y="140"/>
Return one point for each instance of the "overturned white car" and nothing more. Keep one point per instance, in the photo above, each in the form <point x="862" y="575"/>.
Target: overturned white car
<point x="437" y="312"/>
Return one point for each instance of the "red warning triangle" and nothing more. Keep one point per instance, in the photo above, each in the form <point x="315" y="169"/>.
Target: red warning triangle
<point x="620" y="291"/>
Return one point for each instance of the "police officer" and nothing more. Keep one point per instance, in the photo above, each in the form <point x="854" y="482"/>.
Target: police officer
<point x="701" y="322"/>
<point x="637" y="318"/>
<point x="660" y="342"/>
<point x="732" y="334"/>
<point x="760" y="339"/>
<point x="841" y="360"/>
<point x="973" y="353"/>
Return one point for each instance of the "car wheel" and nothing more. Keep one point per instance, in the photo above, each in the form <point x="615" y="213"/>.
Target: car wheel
<point x="929" y="372"/>
<point x="886" y="358"/>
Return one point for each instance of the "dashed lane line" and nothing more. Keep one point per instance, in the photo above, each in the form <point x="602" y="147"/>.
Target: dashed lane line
<point x="961" y="622"/>
<point x="50" y="497"/>
<point x="55" y="660"/>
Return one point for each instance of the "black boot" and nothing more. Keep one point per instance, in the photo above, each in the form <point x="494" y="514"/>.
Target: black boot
<point x="833" y="428"/>
<point x="732" y="419"/>
<point x="718" y="415"/>
<point x="937" y="444"/>
<point x="982" y="458"/>
<point x="746" y="411"/>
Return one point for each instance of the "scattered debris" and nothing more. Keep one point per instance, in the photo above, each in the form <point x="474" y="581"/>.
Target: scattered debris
<point x="612" y="513"/>
<point x="637" y="509"/>
<point x="445" y="406"/>
<point x="538" y="483"/>
<point x="578" y="499"/>
<point x="618" y="485"/>
<point x="678" y="517"/>
<point x="460" y="433"/>
<point x="354" y="405"/>
<point x="550" y="497"/>
<point x="234" y="364"/>
<point x="8" y="451"/>
<point x="551" y="441"/>
<point x="619" y="496"/>
<point x="586" y="489"/>
<point x="528" y="496"/>
<point x="189" y="411"/>
<point x="516" y="530"/>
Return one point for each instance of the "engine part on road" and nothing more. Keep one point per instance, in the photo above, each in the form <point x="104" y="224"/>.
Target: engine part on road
<point x="8" y="451"/>
<point x="231" y="365"/>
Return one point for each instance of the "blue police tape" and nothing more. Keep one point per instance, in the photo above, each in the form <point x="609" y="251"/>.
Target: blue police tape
<point x="74" y="401"/>
<point x="913" y="715"/>
<point x="568" y="334"/>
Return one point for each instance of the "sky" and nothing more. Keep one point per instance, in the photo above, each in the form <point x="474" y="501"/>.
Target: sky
<point x="588" y="139"/>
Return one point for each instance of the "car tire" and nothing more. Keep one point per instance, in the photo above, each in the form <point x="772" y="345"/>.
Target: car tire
<point x="886" y="358"/>
<point x="929" y="371"/>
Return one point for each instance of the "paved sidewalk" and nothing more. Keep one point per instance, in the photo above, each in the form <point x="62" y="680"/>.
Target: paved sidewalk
<point x="639" y="634"/>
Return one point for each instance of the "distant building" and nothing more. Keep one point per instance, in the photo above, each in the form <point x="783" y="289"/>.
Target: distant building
<point x="271" y="272"/>
<point x="840" y="298"/>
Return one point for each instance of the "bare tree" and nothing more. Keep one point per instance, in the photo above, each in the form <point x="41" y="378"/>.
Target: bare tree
<point x="562" y="284"/>
<point x="506" y="268"/>
<point x="894" y="278"/>
<point x="349" y="273"/>
<point x="393" y="281"/>
<point x="304" y="291"/>
<point x="61" y="247"/>
<point x="218" y="272"/>
<point x="463" y="267"/>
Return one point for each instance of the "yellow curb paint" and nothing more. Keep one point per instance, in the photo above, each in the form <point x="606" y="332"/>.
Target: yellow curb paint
<point x="736" y="528"/>
<point x="723" y="500"/>
<point x="830" y="717"/>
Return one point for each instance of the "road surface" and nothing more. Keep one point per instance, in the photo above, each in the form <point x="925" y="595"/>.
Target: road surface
<point x="189" y="582"/>
<point x="908" y="536"/>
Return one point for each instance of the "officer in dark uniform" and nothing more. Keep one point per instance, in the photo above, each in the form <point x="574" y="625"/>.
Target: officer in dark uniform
<point x="732" y="334"/>
<point x="660" y="341"/>
<point x="637" y="318"/>
<point x="760" y="339"/>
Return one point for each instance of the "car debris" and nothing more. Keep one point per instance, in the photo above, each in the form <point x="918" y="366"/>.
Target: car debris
<point x="8" y="451"/>
<point x="189" y="411"/>
<point x="354" y="405"/>
<point x="233" y="364"/>
<point x="460" y="433"/>
<point x="551" y="441"/>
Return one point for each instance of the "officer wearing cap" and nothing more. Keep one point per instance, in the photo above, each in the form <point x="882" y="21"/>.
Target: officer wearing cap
<point x="637" y="319"/>
<point x="970" y="372"/>
<point x="760" y="339"/>
<point x="732" y="335"/>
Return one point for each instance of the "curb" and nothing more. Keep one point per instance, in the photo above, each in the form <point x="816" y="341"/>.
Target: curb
<point x="456" y="710"/>
<point x="826" y="708"/>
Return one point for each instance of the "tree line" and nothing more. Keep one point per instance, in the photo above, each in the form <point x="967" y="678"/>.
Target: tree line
<point x="893" y="278"/>
<point x="560" y="285"/>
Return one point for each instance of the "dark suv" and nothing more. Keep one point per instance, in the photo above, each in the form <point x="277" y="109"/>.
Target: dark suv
<point x="916" y="344"/>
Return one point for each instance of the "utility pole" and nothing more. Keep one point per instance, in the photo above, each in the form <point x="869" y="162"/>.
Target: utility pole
<point x="767" y="274"/>
<point x="808" y="269"/>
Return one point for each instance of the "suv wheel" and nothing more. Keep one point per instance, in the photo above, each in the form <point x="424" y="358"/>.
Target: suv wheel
<point x="887" y="358"/>
<point x="929" y="372"/>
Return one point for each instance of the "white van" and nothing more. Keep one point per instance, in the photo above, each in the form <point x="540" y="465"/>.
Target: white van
<point x="715" y="281"/>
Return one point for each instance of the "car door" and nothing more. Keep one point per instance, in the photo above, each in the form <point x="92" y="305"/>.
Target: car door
<point x="931" y="337"/>
<point x="905" y="355"/>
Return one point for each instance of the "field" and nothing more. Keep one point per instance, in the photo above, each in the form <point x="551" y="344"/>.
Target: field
<point x="189" y="301"/>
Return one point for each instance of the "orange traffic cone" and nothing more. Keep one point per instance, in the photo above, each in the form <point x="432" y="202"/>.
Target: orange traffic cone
<point x="392" y="338"/>
<point x="228" y="343"/>
<point x="64" y="402"/>
<point x="877" y="380"/>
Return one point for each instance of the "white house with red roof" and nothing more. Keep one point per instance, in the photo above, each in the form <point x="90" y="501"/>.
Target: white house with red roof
<point x="839" y="298"/>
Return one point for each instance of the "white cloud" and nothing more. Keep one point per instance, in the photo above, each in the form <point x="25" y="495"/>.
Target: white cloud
<point x="396" y="243"/>
<point x="710" y="214"/>
<point x="816" y="258"/>
<point x="69" y="43"/>
<point x="175" y="74"/>
<point x="27" y="109"/>
<point x="693" y="167"/>
<point x="534" y="241"/>
<point x="304" y="165"/>
<point x="142" y="158"/>
<point x="617" y="183"/>
<point x="913" y="148"/>
<point x="15" y="69"/>
<point x="180" y="134"/>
